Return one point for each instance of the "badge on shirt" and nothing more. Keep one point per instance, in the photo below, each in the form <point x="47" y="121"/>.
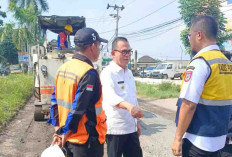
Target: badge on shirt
<point x="190" y="68"/>
<point x="188" y="76"/>
<point x="122" y="87"/>
<point x="89" y="87"/>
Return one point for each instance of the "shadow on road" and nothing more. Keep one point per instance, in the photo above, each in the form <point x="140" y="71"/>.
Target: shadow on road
<point x="151" y="129"/>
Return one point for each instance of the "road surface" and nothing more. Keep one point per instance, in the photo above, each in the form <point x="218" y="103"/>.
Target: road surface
<point x="24" y="137"/>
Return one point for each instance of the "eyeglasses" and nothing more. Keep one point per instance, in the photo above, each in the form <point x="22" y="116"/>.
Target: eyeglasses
<point x="125" y="52"/>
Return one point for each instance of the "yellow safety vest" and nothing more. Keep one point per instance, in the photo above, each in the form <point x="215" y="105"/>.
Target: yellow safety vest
<point x="212" y="114"/>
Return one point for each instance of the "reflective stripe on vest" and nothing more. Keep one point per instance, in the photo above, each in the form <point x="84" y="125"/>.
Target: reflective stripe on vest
<point x="68" y="105"/>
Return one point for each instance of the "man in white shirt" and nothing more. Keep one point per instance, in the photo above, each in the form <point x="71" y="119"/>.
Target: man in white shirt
<point x="205" y="100"/>
<point x="120" y="103"/>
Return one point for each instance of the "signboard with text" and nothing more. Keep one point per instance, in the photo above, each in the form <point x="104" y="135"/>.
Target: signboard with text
<point x="23" y="57"/>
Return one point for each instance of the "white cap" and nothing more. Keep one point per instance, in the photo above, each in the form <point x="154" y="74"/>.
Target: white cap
<point x="53" y="151"/>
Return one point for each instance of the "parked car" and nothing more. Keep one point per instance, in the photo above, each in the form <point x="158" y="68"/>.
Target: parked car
<point x="167" y="70"/>
<point x="4" y="71"/>
<point x="147" y="72"/>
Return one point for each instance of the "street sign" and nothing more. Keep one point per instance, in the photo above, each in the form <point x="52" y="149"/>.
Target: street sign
<point x="23" y="57"/>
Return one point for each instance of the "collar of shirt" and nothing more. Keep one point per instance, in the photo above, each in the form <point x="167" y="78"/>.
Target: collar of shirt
<point x="82" y="58"/>
<point x="116" y="67"/>
<point x="208" y="48"/>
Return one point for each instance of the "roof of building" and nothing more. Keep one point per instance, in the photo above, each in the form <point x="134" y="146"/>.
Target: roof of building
<point x="147" y="59"/>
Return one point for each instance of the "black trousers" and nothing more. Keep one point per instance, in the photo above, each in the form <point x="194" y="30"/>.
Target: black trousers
<point x="226" y="151"/>
<point x="189" y="150"/>
<point x="78" y="150"/>
<point x="128" y="145"/>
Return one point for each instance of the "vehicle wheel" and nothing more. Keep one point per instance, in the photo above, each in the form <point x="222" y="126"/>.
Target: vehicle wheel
<point x="165" y="76"/>
<point x="38" y="115"/>
<point x="172" y="78"/>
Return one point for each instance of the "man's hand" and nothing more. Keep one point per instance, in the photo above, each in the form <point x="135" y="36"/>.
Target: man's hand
<point x="177" y="147"/>
<point x="57" y="139"/>
<point x="133" y="110"/>
<point x="139" y="128"/>
<point x="136" y="112"/>
<point x="64" y="138"/>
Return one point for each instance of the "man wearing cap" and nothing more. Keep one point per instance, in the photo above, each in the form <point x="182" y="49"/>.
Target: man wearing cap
<point x="62" y="42"/>
<point x="76" y="110"/>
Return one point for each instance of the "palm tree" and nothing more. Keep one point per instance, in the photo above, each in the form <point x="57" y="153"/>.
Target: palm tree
<point x="26" y="13"/>
<point x="3" y="14"/>
<point x="38" y="4"/>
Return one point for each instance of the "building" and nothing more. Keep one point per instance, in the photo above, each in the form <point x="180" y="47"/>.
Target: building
<point x="147" y="61"/>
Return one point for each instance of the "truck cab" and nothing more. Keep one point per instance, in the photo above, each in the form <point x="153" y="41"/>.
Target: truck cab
<point x="47" y="59"/>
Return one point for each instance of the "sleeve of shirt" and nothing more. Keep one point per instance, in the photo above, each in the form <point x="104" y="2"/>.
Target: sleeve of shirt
<point x="87" y="95"/>
<point x="196" y="76"/>
<point x="54" y="118"/>
<point x="110" y="97"/>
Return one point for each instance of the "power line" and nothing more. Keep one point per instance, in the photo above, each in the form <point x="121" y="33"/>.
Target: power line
<point x="126" y="5"/>
<point x="109" y="42"/>
<point x="159" y="33"/>
<point x="149" y="14"/>
<point x="142" y="17"/>
<point x="149" y="29"/>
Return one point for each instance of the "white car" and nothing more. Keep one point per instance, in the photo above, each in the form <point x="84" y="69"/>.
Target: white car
<point x="166" y="70"/>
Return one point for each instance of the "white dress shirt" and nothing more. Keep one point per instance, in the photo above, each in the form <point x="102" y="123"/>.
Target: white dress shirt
<point x="192" y="91"/>
<point x="118" y="85"/>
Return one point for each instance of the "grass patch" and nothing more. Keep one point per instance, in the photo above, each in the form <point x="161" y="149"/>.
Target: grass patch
<point x="14" y="92"/>
<point x="158" y="91"/>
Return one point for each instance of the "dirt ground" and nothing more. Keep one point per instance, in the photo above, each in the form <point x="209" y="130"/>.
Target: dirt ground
<point x="24" y="137"/>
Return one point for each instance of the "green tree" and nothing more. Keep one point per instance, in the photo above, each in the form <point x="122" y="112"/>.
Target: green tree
<point x="193" y="8"/>
<point x="26" y="13"/>
<point x="2" y="14"/>
<point x="8" y="51"/>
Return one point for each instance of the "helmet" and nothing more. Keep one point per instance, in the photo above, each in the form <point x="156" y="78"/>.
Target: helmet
<point x="53" y="151"/>
<point x="68" y="28"/>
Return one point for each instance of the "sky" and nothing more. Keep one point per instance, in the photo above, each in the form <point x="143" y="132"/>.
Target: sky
<point x="163" y="44"/>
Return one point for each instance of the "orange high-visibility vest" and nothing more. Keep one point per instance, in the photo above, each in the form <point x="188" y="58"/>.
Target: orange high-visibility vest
<point x="66" y="81"/>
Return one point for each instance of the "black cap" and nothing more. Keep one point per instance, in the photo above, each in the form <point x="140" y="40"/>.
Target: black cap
<point x="87" y="36"/>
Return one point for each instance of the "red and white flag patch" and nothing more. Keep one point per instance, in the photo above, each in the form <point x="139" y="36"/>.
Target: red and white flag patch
<point x="188" y="76"/>
<point x="89" y="87"/>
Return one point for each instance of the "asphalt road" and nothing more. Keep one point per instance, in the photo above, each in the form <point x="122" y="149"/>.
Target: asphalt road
<point x="24" y="137"/>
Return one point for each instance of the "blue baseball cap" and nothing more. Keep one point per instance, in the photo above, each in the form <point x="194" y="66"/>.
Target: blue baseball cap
<point x="86" y="36"/>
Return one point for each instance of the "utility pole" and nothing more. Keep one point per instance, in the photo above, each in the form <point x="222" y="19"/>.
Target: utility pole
<point x="181" y="56"/>
<point x="117" y="8"/>
<point x="135" y="60"/>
